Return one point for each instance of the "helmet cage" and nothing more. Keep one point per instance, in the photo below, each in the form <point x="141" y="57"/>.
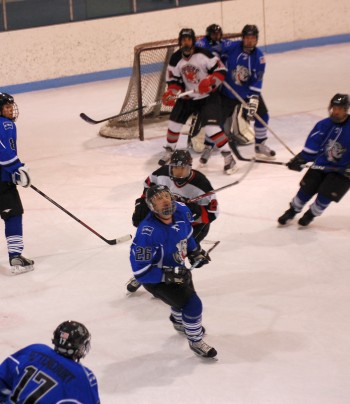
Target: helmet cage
<point x="8" y="99"/>
<point x="180" y="158"/>
<point x="156" y="191"/>
<point x="213" y="29"/>
<point x="186" y="33"/>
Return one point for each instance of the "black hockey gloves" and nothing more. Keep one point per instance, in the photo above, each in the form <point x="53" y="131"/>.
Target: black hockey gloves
<point x="297" y="163"/>
<point x="198" y="258"/>
<point x="177" y="275"/>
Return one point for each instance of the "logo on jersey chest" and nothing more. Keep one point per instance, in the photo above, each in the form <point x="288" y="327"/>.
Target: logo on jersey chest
<point x="334" y="151"/>
<point x="190" y="73"/>
<point x="240" y="75"/>
<point x="181" y="253"/>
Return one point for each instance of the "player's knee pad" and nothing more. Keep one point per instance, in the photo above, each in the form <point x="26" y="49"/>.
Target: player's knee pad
<point x="334" y="186"/>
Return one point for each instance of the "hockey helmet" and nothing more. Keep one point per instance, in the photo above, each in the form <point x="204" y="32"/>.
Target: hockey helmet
<point x="186" y="33"/>
<point x="250" y="30"/>
<point x="180" y="158"/>
<point x="340" y="100"/>
<point x="72" y="340"/>
<point x="156" y="191"/>
<point x="214" y="32"/>
<point x="339" y="115"/>
<point x="8" y="99"/>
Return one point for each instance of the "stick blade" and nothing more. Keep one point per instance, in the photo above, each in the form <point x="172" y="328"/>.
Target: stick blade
<point x="119" y="240"/>
<point x="88" y="119"/>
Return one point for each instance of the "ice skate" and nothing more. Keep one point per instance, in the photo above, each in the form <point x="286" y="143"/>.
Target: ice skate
<point x="202" y="349"/>
<point x="20" y="265"/>
<point x="264" y="152"/>
<point x="307" y="218"/>
<point x="166" y="156"/>
<point x="287" y="216"/>
<point x="205" y="156"/>
<point x="132" y="285"/>
<point x="230" y="166"/>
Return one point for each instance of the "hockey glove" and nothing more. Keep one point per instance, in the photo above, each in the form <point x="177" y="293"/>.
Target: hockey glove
<point x="140" y="212"/>
<point x="195" y="209"/>
<point x="169" y="97"/>
<point x="207" y="84"/>
<point x="177" y="275"/>
<point x="253" y="104"/>
<point x="21" y="177"/>
<point x="198" y="258"/>
<point x="297" y="163"/>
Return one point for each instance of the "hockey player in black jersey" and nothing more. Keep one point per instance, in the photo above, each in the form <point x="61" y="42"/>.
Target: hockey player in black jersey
<point x="196" y="69"/>
<point x="185" y="183"/>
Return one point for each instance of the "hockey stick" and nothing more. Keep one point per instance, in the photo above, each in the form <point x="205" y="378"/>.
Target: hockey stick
<point x="240" y="157"/>
<point x="240" y="179"/>
<point x="245" y="105"/>
<point x="110" y="242"/>
<point x="94" y="122"/>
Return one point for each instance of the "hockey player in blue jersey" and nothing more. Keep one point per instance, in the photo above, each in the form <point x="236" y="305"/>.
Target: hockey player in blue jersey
<point x="40" y="374"/>
<point x="12" y="172"/>
<point x="184" y="183"/>
<point x="163" y="240"/>
<point x="213" y="41"/>
<point x="328" y="148"/>
<point x="246" y="67"/>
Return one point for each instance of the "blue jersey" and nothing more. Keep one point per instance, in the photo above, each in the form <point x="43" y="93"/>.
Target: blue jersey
<point x="38" y="374"/>
<point x="157" y="244"/>
<point x="9" y="161"/>
<point x="216" y="47"/>
<point x="245" y="71"/>
<point x="328" y="144"/>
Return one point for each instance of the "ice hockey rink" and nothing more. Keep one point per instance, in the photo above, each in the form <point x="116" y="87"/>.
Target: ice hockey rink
<point x="276" y="300"/>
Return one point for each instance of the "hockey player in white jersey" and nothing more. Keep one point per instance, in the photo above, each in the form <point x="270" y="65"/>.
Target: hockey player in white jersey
<point x="195" y="69"/>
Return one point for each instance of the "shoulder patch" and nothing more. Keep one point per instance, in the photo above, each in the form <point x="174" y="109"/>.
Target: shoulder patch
<point x="147" y="230"/>
<point x="262" y="59"/>
<point x="8" y="125"/>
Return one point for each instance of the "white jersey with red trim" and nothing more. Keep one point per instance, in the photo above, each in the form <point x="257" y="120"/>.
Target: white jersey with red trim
<point x="187" y="73"/>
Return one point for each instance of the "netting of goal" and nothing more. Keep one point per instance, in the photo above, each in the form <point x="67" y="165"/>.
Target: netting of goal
<point x="146" y="87"/>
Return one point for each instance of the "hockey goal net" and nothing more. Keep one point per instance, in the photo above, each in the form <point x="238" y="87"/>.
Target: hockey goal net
<point x="146" y="87"/>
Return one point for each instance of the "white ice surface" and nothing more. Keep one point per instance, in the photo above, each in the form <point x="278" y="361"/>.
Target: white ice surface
<point x="276" y="300"/>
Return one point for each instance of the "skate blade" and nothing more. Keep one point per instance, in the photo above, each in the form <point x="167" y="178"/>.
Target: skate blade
<point x="18" y="270"/>
<point x="232" y="170"/>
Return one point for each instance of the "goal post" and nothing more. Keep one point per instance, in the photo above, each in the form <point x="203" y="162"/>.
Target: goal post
<point x="146" y="86"/>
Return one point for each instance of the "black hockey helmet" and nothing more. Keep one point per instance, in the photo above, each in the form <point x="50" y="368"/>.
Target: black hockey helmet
<point x="187" y="33"/>
<point x="8" y="99"/>
<point x="155" y="191"/>
<point x="250" y="30"/>
<point x="214" y="29"/>
<point x="72" y="340"/>
<point x="340" y="100"/>
<point x="180" y="158"/>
